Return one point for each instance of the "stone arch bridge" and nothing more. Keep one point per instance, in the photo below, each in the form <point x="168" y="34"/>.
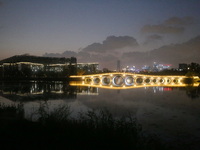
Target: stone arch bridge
<point x="121" y="79"/>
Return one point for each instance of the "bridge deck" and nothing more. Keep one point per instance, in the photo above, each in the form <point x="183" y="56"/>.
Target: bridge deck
<point x="126" y="74"/>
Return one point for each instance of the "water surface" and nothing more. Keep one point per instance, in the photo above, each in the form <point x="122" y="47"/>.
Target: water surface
<point x="173" y="113"/>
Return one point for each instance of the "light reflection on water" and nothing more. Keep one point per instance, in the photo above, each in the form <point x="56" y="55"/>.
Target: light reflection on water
<point x="172" y="112"/>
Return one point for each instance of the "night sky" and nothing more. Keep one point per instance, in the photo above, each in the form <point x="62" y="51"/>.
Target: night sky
<point x="101" y="29"/>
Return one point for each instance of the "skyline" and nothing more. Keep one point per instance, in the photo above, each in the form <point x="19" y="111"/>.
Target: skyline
<point x="107" y="29"/>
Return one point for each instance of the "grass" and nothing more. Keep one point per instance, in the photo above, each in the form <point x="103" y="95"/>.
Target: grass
<point x="11" y="111"/>
<point x="95" y="129"/>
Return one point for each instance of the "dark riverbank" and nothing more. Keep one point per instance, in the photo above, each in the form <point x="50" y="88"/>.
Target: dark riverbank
<point x="91" y="130"/>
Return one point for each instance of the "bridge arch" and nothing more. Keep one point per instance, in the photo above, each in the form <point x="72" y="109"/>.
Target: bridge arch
<point x="96" y="80"/>
<point x="87" y="80"/>
<point x="168" y="80"/>
<point x="118" y="80"/>
<point x="154" y="80"/>
<point x="162" y="80"/>
<point x="147" y="80"/>
<point x="139" y="80"/>
<point x="106" y="80"/>
<point x="176" y="80"/>
<point x="129" y="80"/>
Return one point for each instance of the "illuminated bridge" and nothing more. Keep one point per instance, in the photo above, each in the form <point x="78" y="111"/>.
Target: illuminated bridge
<point x="129" y="80"/>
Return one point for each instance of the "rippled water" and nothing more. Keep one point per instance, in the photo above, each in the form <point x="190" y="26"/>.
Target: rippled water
<point x="171" y="112"/>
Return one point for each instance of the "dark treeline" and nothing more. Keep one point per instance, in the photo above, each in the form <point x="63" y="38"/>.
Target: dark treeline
<point x="96" y="129"/>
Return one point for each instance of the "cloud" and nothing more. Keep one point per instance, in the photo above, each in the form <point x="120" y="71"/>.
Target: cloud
<point x="107" y="61"/>
<point x="69" y="53"/>
<point x="173" y="25"/>
<point x="1" y="3"/>
<point x="177" y="53"/>
<point x="112" y="43"/>
<point x="153" y="38"/>
<point x="95" y="47"/>
<point x="162" y="29"/>
<point x="174" y="54"/>
<point x="64" y="54"/>
<point x="180" y="21"/>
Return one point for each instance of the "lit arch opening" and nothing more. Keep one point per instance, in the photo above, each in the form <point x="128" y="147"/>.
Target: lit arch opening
<point x="162" y="80"/>
<point x="147" y="80"/>
<point x="88" y="80"/>
<point x="96" y="80"/>
<point x="106" y="80"/>
<point x="118" y="80"/>
<point x="139" y="80"/>
<point x="129" y="80"/>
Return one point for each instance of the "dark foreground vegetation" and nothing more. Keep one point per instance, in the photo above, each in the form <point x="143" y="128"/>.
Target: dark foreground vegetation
<point x="96" y="129"/>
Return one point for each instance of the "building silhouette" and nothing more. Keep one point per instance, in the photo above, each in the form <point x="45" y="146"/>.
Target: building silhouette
<point x="26" y="66"/>
<point x="87" y="68"/>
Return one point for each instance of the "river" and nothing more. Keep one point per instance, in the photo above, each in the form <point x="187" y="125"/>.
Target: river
<point x="172" y="113"/>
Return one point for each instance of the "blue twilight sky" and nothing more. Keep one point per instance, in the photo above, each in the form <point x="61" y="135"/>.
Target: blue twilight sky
<point x="54" y="26"/>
